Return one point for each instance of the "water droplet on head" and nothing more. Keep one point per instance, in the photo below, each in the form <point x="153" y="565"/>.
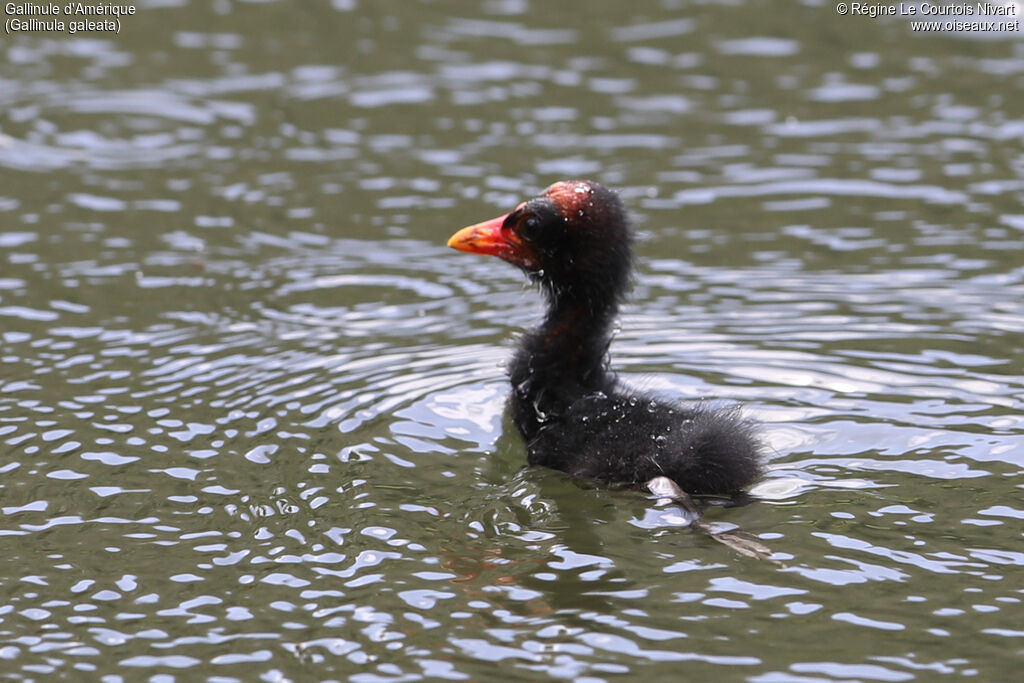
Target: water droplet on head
<point x="582" y="189"/>
<point x="541" y="415"/>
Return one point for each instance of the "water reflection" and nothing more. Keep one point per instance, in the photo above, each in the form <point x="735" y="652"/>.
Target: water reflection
<point x="251" y="412"/>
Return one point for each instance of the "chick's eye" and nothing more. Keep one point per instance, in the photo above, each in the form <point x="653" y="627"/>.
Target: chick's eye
<point x="527" y="226"/>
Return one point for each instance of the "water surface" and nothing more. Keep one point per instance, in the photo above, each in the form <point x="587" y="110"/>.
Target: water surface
<point x="252" y="409"/>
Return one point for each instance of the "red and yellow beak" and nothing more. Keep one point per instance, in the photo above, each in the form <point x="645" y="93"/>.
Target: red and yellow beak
<point x="489" y="238"/>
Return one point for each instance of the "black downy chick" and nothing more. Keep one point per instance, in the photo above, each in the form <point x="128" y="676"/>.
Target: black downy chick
<point x="574" y="241"/>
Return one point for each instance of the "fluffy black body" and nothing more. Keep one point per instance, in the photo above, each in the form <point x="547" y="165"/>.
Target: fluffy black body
<point x="574" y="242"/>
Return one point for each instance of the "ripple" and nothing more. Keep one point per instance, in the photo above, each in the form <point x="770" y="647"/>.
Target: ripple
<point x="144" y="128"/>
<point x="824" y="186"/>
<point x="761" y="46"/>
<point x="459" y="28"/>
<point x="253" y="411"/>
<point x="653" y="30"/>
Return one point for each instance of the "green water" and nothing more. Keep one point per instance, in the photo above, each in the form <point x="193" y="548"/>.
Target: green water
<point x="251" y="408"/>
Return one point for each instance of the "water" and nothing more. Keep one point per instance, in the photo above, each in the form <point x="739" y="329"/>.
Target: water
<point x="251" y="411"/>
